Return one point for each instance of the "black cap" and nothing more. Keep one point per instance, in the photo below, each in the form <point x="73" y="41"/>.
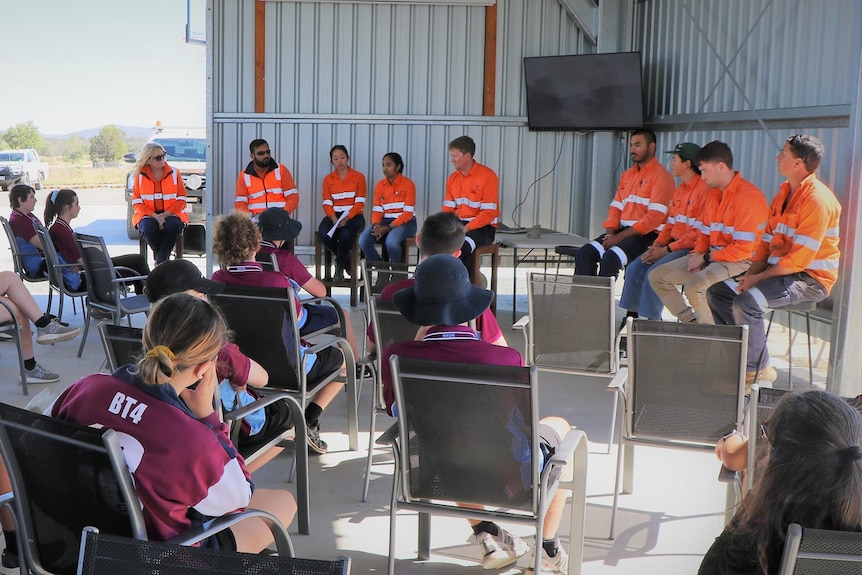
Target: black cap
<point x="175" y="276"/>
<point x="276" y="224"/>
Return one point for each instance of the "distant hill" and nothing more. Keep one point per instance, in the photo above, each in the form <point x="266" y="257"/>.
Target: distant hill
<point x="131" y="132"/>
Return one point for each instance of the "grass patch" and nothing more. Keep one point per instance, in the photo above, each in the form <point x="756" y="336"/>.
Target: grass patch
<point x="84" y="173"/>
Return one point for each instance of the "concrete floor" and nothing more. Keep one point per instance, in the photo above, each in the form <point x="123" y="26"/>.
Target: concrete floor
<point x="665" y="526"/>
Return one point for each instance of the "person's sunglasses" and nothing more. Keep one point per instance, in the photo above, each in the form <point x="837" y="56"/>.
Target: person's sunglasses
<point x="160" y="157"/>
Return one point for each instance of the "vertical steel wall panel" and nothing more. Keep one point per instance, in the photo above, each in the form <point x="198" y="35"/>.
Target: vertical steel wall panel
<point x="404" y="78"/>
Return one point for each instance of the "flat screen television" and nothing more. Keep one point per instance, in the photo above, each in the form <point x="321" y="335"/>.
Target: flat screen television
<point x="584" y="92"/>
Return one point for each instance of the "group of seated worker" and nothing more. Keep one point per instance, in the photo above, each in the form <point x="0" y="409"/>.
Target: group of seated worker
<point x="742" y="256"/>
<point x="810" y="473"/>
<point x="472" y="192"/>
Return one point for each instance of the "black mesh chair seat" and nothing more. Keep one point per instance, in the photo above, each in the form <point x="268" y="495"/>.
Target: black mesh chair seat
<point x="105" y="288"/>
<point x="685" y="424"/>
<point x="571" y="328"/>
<point x="820" y="552"/>
<point x="684" y="388"/>
<point x="110" y="555"/>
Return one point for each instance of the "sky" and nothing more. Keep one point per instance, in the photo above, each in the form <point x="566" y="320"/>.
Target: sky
<point x="74" y="65"/>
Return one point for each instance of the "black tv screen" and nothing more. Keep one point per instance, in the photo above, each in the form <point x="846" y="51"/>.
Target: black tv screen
<point x="584" y="92"/>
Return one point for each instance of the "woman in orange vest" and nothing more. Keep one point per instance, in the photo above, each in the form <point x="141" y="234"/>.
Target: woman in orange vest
<point x="393" y="218"/>
<point x="159" y="201"/>
<point x="343" y="203"/>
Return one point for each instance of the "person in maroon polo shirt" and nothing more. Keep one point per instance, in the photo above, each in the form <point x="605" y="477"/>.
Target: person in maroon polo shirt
<point x="444" y="300"/>
<point x="442" y="233"/>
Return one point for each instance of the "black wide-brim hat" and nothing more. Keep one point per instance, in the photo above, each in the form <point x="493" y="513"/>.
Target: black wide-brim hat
<point x="442" y="294"/>
<point x="276" y="224"/>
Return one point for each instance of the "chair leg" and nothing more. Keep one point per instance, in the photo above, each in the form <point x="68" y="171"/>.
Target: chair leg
<point x="614" y="410"/>
<point x="790" y="348"/>
<point x="60" y="309"/>
<point x="393" y="515"/>
<point x="763" y="353"/>
<point x="424" y="536"/>
<point x="87" y="317"/>
<point x="810" y="362"/>
<point x="370" y="457"/>
<point x="17" y="336"/>
<point x="612" y="535"/>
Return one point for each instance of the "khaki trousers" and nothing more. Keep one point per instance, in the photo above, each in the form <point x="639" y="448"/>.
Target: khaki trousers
<point x="666" y="277"/>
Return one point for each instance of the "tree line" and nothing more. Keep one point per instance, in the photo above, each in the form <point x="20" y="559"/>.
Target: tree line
<point x="108" y="146"/>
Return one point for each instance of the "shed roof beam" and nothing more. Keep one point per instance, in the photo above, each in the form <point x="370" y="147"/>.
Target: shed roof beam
<point x="585" y="14"/>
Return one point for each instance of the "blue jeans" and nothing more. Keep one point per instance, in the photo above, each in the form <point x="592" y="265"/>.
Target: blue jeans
<point x="638" y="295"/>
<point x="161" y="240"/>
<point x="747" y="308"/>
<point x="393" y="240"/>
<point x="341" y="241"/>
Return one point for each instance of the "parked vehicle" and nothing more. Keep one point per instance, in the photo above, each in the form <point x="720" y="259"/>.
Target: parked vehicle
<point x="22" y="167"/>
<point x="187" y="151"/>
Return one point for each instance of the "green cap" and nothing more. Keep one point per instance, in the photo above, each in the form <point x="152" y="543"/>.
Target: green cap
<point x="686" y="151"/>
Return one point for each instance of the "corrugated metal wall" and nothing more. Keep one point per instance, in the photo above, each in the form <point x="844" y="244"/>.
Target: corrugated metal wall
<point x="408" y="78"/>
<point x="722" y="65"/>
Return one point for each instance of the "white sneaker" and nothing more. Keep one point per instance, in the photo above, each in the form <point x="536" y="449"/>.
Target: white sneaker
<point x="55" y="332"/>
<point x="40" y="375"/>
<point x="559" y="563"/>
<point x="500" y="550"/>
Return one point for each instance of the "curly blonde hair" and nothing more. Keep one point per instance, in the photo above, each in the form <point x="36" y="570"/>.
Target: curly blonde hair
<point x="182" y="331"/>
<point x="235" y="237"/>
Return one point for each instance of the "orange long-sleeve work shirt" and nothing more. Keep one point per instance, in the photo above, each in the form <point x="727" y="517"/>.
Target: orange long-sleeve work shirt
<point x="475" y="198"/>
<point x="642" y="198"/>
<point x="804" y="234"/>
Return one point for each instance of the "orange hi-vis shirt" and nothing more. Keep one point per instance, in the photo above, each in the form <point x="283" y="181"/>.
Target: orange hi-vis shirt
<point x="275" y="190"/>
<point x="804" y="234"/>
<point x="642" y="198"/>
<point x="680" y="230"/>
<point x="347" y="195"/>
<point x="475" y="198"/>
<point x="396" y="200"/>
<point x="732" y="223"/>
<point x="166" y="195"/>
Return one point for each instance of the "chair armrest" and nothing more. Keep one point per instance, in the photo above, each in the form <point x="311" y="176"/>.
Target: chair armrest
<point x="725" y="475"/>
<point x="258" y="405"/>
<point x="521" y="323"/>
<point x="7" y="499"/>
<point x="389" y="436"/>
<point x="619" y="380"/>
<point x="283" y="543"/>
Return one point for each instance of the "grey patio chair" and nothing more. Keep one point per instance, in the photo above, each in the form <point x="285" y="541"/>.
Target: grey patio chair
<point x="106" y="296"/>
<point x="55" y="272"/>
<point x="259" y="317"/>
<point x="452" y="449"/>
<point x="389" y="327"/>
<point x="103" y="554"/>
<point x="820" y="552"/>
<point x="571" y="328"/>
<point x="18" y="261"/>
<point x="683" y="388"/>
<point x="13" y="328"/>
<point x="66" y="477"/>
